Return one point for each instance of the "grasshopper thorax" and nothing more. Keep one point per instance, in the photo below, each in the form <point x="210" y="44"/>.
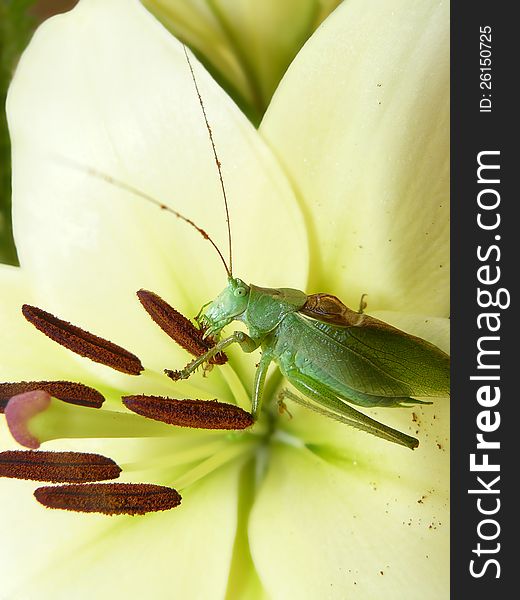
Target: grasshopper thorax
<point x="227" y="306"/>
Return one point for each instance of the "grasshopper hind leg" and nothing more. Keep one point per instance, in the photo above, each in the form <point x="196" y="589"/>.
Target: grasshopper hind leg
<point x="325" y="402"/>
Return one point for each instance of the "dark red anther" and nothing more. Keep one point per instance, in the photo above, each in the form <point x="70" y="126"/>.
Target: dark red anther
<point x="178" y="327"/>
<point x="57" y="467"/>
<point x="198" y="414"/>
<point x="109" y="498"/>
<point x="67" y="391"/>
<point x="82" y="342"/>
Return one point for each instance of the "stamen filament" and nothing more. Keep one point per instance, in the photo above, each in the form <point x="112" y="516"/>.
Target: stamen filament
<point x="230" y="452"/>
<point x="235" y="385"/>
<point x="175" y="458"/>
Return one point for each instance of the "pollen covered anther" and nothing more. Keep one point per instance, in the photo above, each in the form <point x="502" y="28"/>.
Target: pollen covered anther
<point x="109" y="498"/>
<point x="178" y="327"/>
<point x="197" y="414"/>
<point x="82" y="342"/>
<point x="57" y="467"/>
<point x="67" y="391"/>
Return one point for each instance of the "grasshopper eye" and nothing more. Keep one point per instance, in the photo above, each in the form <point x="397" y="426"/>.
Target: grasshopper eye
<point x="240" y="291"/>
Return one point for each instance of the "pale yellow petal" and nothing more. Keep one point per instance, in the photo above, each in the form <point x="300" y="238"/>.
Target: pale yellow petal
<point x="107" y="87"/>
<point x="351" y="528"/>
<point x="367" y="504"/>
<point x="25" y="354"/>
<point x="360" y="121"/>
<point x="55" y="555"/>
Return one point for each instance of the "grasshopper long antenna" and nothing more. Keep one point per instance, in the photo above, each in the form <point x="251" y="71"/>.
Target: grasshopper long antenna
<point x="210" y="133"/>
<point x="137" y="192"/>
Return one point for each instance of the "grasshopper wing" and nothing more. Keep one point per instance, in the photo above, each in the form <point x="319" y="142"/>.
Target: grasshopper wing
<point x="415" y="363"/>
<point x="380" y="359"/>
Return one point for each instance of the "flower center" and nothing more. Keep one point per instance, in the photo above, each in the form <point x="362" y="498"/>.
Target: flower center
<point x="197" y="436"/>
<point x="40" y="411"/>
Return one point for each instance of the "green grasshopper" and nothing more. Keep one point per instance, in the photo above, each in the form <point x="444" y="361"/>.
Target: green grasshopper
<point x="331" y="354"/>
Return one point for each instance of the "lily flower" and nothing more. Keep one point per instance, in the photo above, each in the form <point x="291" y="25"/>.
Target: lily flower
<point x="343" y="189"/>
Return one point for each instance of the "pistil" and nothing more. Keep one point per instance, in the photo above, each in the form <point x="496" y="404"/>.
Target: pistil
<point x="35" y="417"/>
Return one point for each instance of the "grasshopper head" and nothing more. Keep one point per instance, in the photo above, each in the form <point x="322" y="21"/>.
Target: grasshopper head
<point x="226" y="307"/>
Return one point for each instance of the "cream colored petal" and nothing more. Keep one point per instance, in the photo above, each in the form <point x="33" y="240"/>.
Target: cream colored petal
<point x="106" y="86"/>
<point x="367" y="505"/>
<point x="360" y="121"/>
<point x="25" y="354"/>
<point x="49" y="554"/>
<point x="351" y="528"/>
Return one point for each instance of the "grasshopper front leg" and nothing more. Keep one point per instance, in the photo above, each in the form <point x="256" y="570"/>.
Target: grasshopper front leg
<point x="247" y="343"/>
